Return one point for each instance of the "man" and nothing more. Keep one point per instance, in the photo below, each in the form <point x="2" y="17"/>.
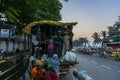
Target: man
<point x="53" y="68"/>
<point x="38" y="72"/>
<point x="66" y="45"/>
<point x="58" y="41"/>
<point x="55" y="62"/>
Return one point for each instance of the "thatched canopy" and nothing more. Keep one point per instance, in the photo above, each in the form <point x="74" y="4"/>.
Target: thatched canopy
<point x="27" y="29"/>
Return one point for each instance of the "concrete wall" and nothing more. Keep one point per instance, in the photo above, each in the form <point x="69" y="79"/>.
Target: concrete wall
<point x="10" y="46"/>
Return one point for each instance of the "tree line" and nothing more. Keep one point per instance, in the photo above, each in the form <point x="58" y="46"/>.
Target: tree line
<point x="19" y="13"/>
<point x="98" y="37"/>
<point x="22" y="12"/>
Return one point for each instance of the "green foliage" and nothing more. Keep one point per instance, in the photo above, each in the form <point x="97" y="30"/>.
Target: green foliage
<point x="82" y="41"/>
<point x="21" y="12"/>
<point x="11" y="14"/>
<point x="115" y="29"/>
<point x="8" y="9"/>
<point x="66" y="0"/>
<point x="96" y="38"/>
<point x="103" y="33"/>
<point x="45" y="9"/>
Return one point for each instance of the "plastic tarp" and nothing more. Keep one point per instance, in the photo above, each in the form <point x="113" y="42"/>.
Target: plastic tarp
<point x="70" y="56"/>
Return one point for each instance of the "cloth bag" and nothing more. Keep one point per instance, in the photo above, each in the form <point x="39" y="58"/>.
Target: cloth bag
<point x="70" y="56"/>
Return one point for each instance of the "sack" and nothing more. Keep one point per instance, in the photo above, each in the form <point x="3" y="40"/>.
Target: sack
<point x="70" y="56"/>
<point x="86" y="77"/>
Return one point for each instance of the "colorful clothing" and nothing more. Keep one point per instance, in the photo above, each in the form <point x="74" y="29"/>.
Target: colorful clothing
<point x="80" y="74"/>
<point x="51" y="47"/>
<point x="55" y="62"/>
<point x="51" y="50"/>
<point x="52" y="76"/>
<point x="38" y="74"/>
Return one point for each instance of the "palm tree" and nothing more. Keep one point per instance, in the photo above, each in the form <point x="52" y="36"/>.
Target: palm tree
<point x="83" y="41"/>
<point x="96" y="38"/>
<point x="76" y="43"/>
<point x="103" y="34"/>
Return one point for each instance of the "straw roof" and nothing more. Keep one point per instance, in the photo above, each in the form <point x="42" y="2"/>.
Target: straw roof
<point x="27" y="29"/>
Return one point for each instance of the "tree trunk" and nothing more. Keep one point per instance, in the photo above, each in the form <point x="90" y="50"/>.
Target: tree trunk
<point x="14" y="45"/>
<point x="7" y="45"/>
<point x="24" y="42"/>
<point x="28" y="42"/>
<point x="0" y="38"/>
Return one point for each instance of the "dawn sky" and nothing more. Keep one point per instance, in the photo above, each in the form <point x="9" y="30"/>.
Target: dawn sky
<point x="91" y="15"/>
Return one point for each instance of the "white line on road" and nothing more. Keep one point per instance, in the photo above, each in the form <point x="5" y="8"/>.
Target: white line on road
<point x="85" y="59"/>
<point x="93" y="62"/>
<point x="106" y="67"/>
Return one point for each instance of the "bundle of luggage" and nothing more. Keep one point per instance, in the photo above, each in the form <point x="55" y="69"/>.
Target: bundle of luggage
<point x="70" y="57"/>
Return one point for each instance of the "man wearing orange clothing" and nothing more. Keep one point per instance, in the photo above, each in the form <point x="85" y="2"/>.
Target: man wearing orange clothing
<point x="38" y="72"/>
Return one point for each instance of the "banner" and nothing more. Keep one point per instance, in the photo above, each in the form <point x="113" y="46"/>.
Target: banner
<point x="4" y="33"/>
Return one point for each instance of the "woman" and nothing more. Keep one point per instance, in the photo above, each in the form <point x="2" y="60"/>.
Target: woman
<point x="51" y="48"/>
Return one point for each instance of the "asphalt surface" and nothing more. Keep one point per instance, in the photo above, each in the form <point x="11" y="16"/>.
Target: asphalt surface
<point x="97" y="68"/>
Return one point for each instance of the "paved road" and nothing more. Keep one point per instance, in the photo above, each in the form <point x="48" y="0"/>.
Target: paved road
<point x="96" y="67"/>
<point x="99" y="68"/>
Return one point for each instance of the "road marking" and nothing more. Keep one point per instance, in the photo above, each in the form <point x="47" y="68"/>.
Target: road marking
<point x="85" y="59"/>
<point x="93" y="62"/>
<point x="106" y="67"/>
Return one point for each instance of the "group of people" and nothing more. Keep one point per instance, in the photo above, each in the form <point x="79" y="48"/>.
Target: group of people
<point x="44" y="68"/>
<point x="59" y="44"/>
<point x="47" y="68"/>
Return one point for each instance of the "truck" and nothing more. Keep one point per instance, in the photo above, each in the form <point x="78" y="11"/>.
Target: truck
<point x="44" y="32"/>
